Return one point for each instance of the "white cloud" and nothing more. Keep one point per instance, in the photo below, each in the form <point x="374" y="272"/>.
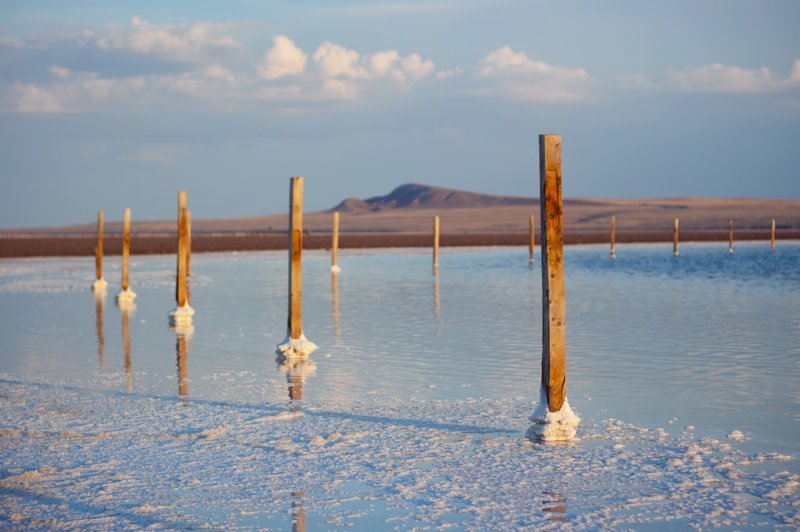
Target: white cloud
<point x="721" y="78"/>
<point x="334" y="60"/>
<point x="29" y="98"/>
<point x="220" y="73"/>
<point x="518" y="77"/>
<point x="283" y="59"/>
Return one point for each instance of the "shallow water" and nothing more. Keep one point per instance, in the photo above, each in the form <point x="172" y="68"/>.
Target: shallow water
<point x="707" y="340"/>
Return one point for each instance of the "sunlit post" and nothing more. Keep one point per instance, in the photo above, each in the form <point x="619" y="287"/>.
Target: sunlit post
<point x="730" y="235"/>
<point x="99" y="283"/>
<point x="553" y="420"/>
<point x="435" y="242"/>
<point x="675" y="237"/>
<point x="613" y="237"/>
<point x="335" y="244"/>
<point x="183" y="311"/>
<point x="126" y="294"/>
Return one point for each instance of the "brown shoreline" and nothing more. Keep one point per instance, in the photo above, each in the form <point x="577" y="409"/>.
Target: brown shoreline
<point x="63" y="246"/>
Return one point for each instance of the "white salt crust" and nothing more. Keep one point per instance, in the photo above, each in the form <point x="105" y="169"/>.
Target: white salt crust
<point x="126" y="295"/>
<point x="553" y="426"/>
<point x="99" y="285"/>
<point x="335" y="268"/>
<point x="182" y="314"/>
<point x="299" y="347"/>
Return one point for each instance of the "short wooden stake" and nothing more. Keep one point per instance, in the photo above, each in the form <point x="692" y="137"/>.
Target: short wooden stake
<point x="296" y="345"/>
<point x="188" y="248"/>
<point x="532" y="238"/>
<point x="772" y="241"/>
<point x="675" y="238"/>
<point x="335" y="244"/>
<point x="435" y="242"/>
<point x="126" y="247"/>
<point x="613" y="237"/>
<point x="730" y="236"/>
<point x="554" y="419"/>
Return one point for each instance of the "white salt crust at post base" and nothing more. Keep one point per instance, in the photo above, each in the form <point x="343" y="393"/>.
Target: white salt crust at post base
<point x="299" y="347"/>
<point x="99" y="285"/>
<point x="335" y="268"/>
<point x="126" y="295"/>
<point x="182" y="314"/>
<point x="553" y="426"/>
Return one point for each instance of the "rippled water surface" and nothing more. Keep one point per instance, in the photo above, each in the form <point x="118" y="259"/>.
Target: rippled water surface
<point x="709" y="339"/>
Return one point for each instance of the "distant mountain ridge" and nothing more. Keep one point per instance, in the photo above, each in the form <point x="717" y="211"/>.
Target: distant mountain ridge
<point x="418" y="196"/>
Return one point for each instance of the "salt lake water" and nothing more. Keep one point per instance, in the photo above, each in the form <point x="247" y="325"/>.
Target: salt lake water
<point x="685" y="371"/>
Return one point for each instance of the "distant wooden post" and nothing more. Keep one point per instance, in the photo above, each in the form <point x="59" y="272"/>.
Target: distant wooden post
<point x="335" y="244"/>
<point x="730" y="236"/>
<point x="98" y="251"/>
<point x="772" y="241"/>
<point x="532" y="238"/>
<point x="180" y="288"/>
<point x="127" y="294"/>
<point x="675" y="238"/>
<point x="613" y="237"/>
<point x="435" y="242"/>
<point x="296" y="259"/>
<point x="188" y="246"/>
<point x="553" y="304"/>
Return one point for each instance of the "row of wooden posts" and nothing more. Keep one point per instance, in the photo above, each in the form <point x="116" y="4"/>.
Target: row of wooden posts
<point x="553" y="376"/>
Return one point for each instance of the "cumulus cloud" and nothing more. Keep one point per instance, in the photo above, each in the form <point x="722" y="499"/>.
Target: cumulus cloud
<point x="30" y="98"/>
<point x="518" y="77"/>
<point x="283" y="59"/>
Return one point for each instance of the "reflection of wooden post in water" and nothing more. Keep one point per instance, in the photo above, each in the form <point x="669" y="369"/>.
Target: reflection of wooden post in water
<point x="295" y="386"/>
<point x="188" y="249"/>
<point x="553" y="419"/>
<point x="335" y="292"/>
<point x="126" y="345"/>
<point x="298" y="512"/>
<point x="555" y="503"/>
<point x="532" y="238"/>
<point x="675" y="237"/>
<point x="101" y="338"/>
<point x="437" y="301"/>
<point x="772" y="240"/>
<point x="435" y="242"/>
<point x="613" y="237"/>
<point x="335" y="244"/>
<point x="182" y="350"/>
<point x="730" y="236"/>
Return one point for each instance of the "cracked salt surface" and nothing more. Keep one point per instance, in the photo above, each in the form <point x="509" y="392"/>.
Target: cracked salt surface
<point x="414" y="410"/>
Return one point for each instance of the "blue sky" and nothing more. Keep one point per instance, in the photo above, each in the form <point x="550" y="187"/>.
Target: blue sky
<point x="107" y="105"/>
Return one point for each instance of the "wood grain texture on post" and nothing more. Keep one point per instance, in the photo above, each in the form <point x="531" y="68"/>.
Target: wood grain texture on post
<point x="553" y="304"/>
<point x="295" y="258"/>
<point x="613" y="236"/>
<point x="335" y="241"/>
<point x="675" y="237"/>
<point x="126" y="247"/>
<point x="98" y="251"/>
<point x="772" y="241"/>
<point x="180" y="285"/>
<point x="730" y="236"/>
<point x="435" y="241"/>
<point x="532" y="239"/>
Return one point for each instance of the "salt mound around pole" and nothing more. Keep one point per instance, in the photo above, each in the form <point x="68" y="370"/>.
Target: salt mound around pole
<point x="296" y="347"/>
<point x="99" y="285"/>
<point x="182" y="314"/>
<point x="126" y="295"/>
<point x="553" y="426"/>
<point x="335" y="268"/>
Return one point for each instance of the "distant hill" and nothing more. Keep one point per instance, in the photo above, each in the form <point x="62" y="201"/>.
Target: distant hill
<point x="417" y="196"/>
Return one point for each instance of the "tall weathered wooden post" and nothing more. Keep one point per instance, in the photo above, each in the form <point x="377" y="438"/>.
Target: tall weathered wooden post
<point x="613" y="237"/>
<point x="335" y="245"/>
<point x="675" y="237"/>
<point x="772" y="240"/>
<point x="126" y="294"/>
<point x="100" y="284"/>
<point x="553" y="419"/>
<point x="296" y="344"/>
<point x="435" y="243"/>
<point x="183" y="310"/>
<point x="531" y="238"/>
<point x="730" y="236"/>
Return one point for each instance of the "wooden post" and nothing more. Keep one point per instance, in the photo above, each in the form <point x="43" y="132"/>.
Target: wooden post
<point x="98" y="251"/>
<point x="730" y="236"/>
<point x="553" y="304"/>
<point x="613" y="237"/>
<point x="532" y="239"/>
<point x="180" y="288"/>
<point x="335" y="244"/>
<point x="126" y="247"/>
<point x="772" y="241"/>
<point x="188" y="247"/>
<point x="675" y="238"/>
<point x="435" y="242"/>
<point x="295" y="324"/>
